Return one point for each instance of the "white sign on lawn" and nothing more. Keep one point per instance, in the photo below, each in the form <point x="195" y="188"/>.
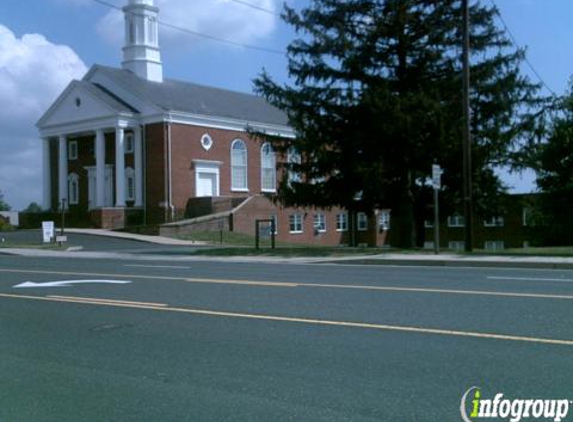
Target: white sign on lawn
<point x="47" y="231"/>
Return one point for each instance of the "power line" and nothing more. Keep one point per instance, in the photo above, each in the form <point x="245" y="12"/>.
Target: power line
<point x="516" y="44"/>
<point x="259" y="8"/>
<point x="202" y="35"/>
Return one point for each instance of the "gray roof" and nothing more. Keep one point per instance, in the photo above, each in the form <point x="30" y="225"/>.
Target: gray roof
<point x="173" y="95"/>
<point x="108" y="97"/>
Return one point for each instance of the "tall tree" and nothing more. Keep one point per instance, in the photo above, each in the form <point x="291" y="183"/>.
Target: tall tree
<point x="375" y="99"/>
<point x="554" y="167"/>
<point x="3" y="205"/>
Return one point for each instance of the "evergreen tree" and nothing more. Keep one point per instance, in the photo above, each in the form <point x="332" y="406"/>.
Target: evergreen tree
<point x="3" y="205"/>
<point x="375" y="99"/>
<point x="554" y="167"/>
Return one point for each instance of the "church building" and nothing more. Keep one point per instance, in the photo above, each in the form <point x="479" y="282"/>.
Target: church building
<point x="127" y="146"/>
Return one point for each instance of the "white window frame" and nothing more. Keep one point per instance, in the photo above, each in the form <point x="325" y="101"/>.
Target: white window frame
<point x="319" y="222"/>
<point x="494" y="222"/>
<point x="429" y="244"/>
<point x="494" y="245"/>
<point x="456" y="245"/>
<point x="362" y="221"/>
<point x="73" y="150"/>
<point x="239" y="163"/>
<point x="428" y="224"/>
<point x="384" y="220"/>
<point x="73" y="189"/>
<point x="342" y="222"/>
<point x="268" y="169"/>
<point x="456" y="220"/>
<point x="295" y="223"/>
<point x="129" y="176"/>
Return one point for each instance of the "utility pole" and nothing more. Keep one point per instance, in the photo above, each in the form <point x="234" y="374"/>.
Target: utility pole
<point x="467" y="140"/>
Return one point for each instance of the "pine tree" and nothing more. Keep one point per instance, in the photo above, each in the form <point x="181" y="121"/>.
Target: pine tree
<point x="375" y="99"/>
<point x="3" y="205"/>
<point x="554" y="165"/>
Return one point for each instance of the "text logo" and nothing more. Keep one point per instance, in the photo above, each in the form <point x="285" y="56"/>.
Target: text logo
<point x="513" y="410"/>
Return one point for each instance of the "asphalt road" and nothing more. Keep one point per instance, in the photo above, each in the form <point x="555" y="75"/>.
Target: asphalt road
<point x="206" y="341"/>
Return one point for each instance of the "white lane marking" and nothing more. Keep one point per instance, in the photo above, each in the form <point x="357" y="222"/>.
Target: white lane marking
<point x="174" y="267"/>
<point x="110" y="301"/>
<point x="66" y="283"/>
<point x="554" y="280"/>
<point x="332" y="286"/>
<point x="373" y="326"/>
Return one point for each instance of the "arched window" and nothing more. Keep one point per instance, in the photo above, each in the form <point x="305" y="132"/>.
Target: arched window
<point x="73" y="189"/>
<point x="293" y="157"/>
<point x="268" y="169"/>
<point x="239" y="165"/>
<point x="129" y="184"/>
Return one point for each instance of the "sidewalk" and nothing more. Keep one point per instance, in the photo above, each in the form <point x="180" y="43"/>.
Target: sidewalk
<point x="392" y="259"/>
<point x="158" y="240"/>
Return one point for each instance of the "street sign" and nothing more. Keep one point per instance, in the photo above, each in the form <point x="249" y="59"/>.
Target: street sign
<point x="436" y="176"/>
<point x="48" y="230"/>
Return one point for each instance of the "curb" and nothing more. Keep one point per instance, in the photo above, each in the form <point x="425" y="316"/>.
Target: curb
<point x="456" y="263"/>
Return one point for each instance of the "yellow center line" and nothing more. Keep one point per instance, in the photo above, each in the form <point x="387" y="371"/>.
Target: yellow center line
<point x="371" y="326"/>
<point x="255" y="283"/>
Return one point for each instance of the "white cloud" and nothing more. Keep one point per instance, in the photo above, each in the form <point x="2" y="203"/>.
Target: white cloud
<point x="220" y="18"/>
<point x="33" y="72"/>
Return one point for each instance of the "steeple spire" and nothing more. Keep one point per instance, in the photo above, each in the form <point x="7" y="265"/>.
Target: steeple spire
<point x="141" y="53"/>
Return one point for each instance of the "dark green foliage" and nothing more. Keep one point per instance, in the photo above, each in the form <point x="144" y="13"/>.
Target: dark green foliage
<point x="554" y="167"/>
<point x="3" y="205"/>
<point x="375" y="99"/>
<point x="33" y="208"/>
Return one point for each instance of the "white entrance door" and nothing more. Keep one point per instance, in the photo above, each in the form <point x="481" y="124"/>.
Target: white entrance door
<point x="206" y="184"/>
<point x="108" y="196"/>
<point x="206" y="178"/>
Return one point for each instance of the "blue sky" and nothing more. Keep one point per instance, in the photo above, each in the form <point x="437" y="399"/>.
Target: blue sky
<point x="74" y="34"/>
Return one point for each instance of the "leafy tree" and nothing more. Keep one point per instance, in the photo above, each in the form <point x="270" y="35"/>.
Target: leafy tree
<point x="3" y="205"/>
<point x="375" y="99"/>
<point x="33" y="208"/>
<point x="554" y="167"/>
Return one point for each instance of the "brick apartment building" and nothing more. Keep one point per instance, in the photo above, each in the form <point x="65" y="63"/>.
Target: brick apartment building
<point x="127" y="147"/>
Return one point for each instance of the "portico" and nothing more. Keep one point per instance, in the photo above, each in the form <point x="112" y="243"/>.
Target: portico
<point x="127" y="179"/>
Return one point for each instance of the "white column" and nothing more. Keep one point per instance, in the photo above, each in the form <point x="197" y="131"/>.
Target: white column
<point x="100" y="168"/>
<point x="119" y="168"/>
<point x="138" y="157"/>
<point x="47" y="175"/>
<point x="63" y="171"/>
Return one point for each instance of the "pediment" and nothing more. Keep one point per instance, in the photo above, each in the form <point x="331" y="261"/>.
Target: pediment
<point x="80" y="102"/>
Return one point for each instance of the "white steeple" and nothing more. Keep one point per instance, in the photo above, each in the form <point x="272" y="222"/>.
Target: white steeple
<point x="141" y="52"/>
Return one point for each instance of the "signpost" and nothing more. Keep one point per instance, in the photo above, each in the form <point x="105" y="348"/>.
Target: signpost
<point x="436" y="184"/>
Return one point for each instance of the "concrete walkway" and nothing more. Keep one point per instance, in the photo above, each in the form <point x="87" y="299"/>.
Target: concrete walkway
<point x="397" y="259"/>
<point x="158" y="240"/>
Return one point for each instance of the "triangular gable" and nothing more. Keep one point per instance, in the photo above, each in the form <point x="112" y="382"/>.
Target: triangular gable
<point x="79" y="102"/>
<point x="101" y="76"/>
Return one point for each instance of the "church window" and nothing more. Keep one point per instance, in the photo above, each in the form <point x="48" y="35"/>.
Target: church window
<point x="129" y="184"/>
<point x="293" y="157"/>
<point x="239" y="165"/>
<point x="268" y="169"/>
<point x="73" y="189"/>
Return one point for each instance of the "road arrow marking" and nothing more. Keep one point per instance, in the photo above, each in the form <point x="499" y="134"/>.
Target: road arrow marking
<point x="67" y="283"/>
